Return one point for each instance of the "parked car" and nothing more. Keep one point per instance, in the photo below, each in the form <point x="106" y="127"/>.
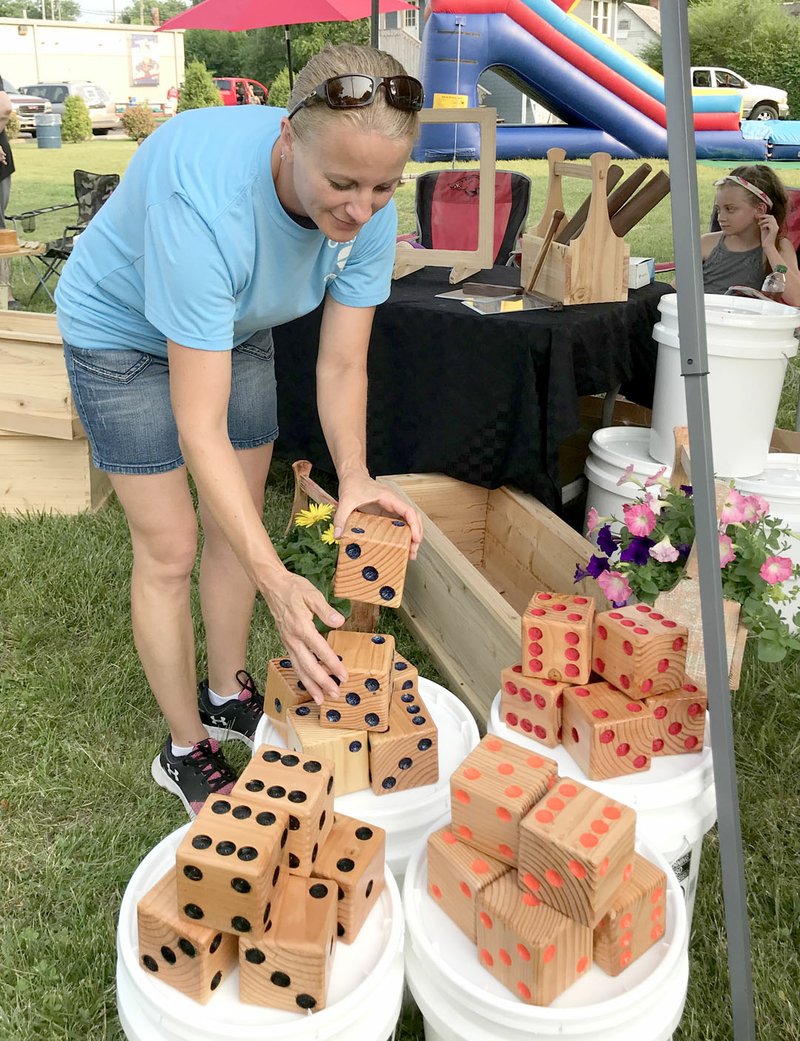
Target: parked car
<point x="237" y="91"/>
<point x="758" y="101"/>
<point x="26" y="106"/>
<point x="102" y="110"/>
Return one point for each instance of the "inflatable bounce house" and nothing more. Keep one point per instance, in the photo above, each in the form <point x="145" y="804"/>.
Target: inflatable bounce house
<point x="609" y="100"/>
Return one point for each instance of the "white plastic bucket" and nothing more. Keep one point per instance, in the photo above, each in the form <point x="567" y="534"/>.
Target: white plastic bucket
<point x="611" y="451"/>
<point x="675" y="800"/>
<point x="364" y="995"/>
<point x="407" y="815"/>
<point x="779" y="483"/>
<point x="749" y="344"/>
<point x="462" y="1001"/>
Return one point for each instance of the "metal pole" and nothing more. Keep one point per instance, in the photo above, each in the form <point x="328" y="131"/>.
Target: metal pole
<point x="694" y="368"/>
<point x="373" y="29"/>
<point x="288" y="38"/>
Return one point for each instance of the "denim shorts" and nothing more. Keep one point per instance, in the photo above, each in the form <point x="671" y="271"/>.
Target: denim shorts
<point x="122" y="398"/>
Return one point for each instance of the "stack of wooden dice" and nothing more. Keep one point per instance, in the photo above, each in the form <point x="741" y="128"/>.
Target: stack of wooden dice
<point x="379" y="733"/>
<point x="540" y="872"/>
<point x="268" y="877"/>
<point x="639" y="703"/>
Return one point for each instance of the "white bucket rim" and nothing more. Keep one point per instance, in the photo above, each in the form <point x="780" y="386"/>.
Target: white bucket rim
<point x="510" y="1009"/>
<point x="769" y="483"/>
<point x="746" y="312"/>
<point x="635" y="443"/>
<point x="288" y="1026"/>
<point x="756" y="353"/>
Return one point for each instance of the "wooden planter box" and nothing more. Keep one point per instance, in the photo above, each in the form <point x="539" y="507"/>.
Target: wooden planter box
<point x="484" y="555"/>
<point x="35" y="395"/>
<point x="44" y="474"/>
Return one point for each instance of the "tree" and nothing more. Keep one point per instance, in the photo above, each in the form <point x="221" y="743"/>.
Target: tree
<point x="62" y="10"/>
<point x="76" y="123"/>
<point x="199" y="89"/>
<point x="143" y="15"/>
<point x="220" y="52"/>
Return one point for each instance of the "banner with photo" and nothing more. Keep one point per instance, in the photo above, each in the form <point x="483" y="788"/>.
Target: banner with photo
<point x="144" y="60"/>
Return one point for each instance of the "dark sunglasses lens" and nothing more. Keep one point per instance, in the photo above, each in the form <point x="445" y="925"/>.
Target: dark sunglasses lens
<point x="347" y="91"/>
<point x="406" y="92"/>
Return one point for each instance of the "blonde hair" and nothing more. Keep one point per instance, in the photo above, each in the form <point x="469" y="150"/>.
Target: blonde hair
<point x="338" y="60"/>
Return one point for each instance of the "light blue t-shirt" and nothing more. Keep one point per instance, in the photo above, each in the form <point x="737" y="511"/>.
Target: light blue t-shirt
<point x="195" y="246"/>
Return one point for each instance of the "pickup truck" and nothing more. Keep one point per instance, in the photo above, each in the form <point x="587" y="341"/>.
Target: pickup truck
<point x="758" y="101"/>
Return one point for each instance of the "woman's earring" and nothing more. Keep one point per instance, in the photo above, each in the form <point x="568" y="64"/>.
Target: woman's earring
<point x="283" y="155"/>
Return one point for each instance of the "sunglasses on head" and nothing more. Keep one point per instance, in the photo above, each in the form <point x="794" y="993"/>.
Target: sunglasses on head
<point x="356" y="90"/>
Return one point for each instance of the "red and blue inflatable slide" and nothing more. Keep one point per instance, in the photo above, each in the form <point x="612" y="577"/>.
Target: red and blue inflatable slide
<point x="608" y="99"/>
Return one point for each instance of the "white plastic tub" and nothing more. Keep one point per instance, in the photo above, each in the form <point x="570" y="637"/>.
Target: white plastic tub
<point x="407" y="815"/>
<point x="749" y="345"/>
<point x="462" y="1001"/>
<point x="364" y="996"/>
<point x="675" y="800"/>
<point x="611" y="451"/>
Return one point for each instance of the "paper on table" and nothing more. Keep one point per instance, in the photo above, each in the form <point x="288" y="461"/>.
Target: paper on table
<point x="498" y="304"/>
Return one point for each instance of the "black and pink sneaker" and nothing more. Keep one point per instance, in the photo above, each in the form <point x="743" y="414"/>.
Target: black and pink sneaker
<point x="193" y="777"/>
<point x="235" y="719"/>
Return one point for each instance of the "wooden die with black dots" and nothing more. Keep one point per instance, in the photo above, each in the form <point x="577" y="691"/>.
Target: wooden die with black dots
<point x="373" y="557"/>
<point x="353" y="860"/>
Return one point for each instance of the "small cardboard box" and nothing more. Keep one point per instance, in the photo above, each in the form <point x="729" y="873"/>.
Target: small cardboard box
<point x="785" y="441"/>
<point x="641" y="272"/>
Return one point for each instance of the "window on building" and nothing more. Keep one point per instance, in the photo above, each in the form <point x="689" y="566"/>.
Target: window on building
<point x="410" y="18"/>
<point x="601" y="16"/>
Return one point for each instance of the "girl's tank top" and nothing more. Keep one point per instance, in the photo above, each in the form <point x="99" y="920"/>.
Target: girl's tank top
<point x="723" y="268"/>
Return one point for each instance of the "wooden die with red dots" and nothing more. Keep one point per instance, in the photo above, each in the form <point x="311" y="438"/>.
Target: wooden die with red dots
<point x="607" y="734"/>
<point x="534" y="950"/>
<point x="639" y="651"/>
<point x="679" y="720"/>
<point x="635" y="921"/>
<point x="353" y="859"/>
<point x="576" y="850"/>
<point x="456" y="875"/>
<point x="373" y="557"/>
<point x="531" y="706"/>
<point x="557" y="637"/>
<point x="492" y="790"/>
<point x="294" y="784"/>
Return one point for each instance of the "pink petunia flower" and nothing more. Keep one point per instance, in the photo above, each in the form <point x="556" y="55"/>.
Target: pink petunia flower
<point x="775" y="570"/>
<point x="594" y="520"/>
<point x="664" y="551"/>
<point x="726" y="554"/>
<point x="639" y="519"/>
<point x="655" y="478"/>
<point x="615" y="586"/>
<point x="733" y="508"/>
<point x="626" y="475"/>
<point x="755" y="507"/>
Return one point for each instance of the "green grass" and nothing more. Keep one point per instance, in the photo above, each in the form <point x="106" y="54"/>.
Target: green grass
<point x="78" y="810"/>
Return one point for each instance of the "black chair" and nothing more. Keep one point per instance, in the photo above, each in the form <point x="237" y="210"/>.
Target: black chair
<point x="446" y="206"/>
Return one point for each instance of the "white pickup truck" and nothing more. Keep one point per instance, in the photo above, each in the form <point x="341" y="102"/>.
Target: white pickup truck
<point x="758" y="101"/>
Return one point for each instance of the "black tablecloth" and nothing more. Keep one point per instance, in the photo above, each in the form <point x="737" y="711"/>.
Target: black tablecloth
<point x="486" y="399"/>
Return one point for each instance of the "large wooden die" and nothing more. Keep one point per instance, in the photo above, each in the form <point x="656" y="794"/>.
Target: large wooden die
<point x="456" y="875"/>
<point x="533" y="949"/>
<point x="229" y="864"/>
<point x="347" y="750"/>
<point x="635" y="921"/>
<point x="639" y="651"/>
<point x="531" y="706"/>
<point x="407" y="754"/>
<point x="185" y="954"/>
<point x="354" y="860"/>
<point x="492" y="790"/>
<point x="290" y="967"/>
<point x="606" y="733"/>
<point x="679" y="720"/>
<point x="373" y="557"/>
<point x="283" y="690"/>
<point x="298" y="785"/>
<point x="557" y="637"/>
<point x="363" y="701"/>
<point x="405" y="676"/>
<point x="576" y="850"/>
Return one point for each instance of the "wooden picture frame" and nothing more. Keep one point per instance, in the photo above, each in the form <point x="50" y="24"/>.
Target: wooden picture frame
<point x="463" y="263"/>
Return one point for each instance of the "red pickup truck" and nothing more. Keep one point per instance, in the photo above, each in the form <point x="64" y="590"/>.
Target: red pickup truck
<point x="238" y="91"/>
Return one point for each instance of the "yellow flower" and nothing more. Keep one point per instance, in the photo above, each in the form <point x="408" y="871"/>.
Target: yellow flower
<point x="315" y="513"/>
<point x="327" y="536"/>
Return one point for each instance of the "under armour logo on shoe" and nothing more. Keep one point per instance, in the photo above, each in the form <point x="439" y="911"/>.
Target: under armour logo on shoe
<point x="219" y="721"/>
<point x="172" y="771"/>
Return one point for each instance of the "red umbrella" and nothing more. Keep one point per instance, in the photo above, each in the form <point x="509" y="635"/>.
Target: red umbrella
<point x="237" y="15"/>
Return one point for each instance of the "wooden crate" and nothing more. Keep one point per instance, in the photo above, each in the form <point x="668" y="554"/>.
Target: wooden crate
<point x="484" y="554"/>
<point x="35" y="395"/>
<point x="47" y="474"/>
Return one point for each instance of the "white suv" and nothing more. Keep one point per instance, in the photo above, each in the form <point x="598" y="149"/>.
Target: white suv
<point x="758" y="101"/>
<point x="102" y="110"/>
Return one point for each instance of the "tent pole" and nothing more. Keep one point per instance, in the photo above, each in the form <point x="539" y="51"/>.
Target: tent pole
<point x="373" y="29"/>
<point x="694" y="368"/>
<point x="288" y="38"/>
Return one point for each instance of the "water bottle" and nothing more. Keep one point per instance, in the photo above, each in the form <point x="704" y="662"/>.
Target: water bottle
<point x="775" y="283"/>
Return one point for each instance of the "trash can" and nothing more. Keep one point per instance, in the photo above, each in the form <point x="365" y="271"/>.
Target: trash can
<point x="48" y="130"/>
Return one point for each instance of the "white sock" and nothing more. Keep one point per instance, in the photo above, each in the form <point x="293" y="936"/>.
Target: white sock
<point x="218" y="699"/>
<point x="179" y="751"/>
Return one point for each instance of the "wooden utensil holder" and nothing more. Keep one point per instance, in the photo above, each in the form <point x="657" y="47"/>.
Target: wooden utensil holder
<point x="593" y="267"/>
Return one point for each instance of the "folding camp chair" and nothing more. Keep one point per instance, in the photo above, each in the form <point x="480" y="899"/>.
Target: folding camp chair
<point x="446" y="205"/>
